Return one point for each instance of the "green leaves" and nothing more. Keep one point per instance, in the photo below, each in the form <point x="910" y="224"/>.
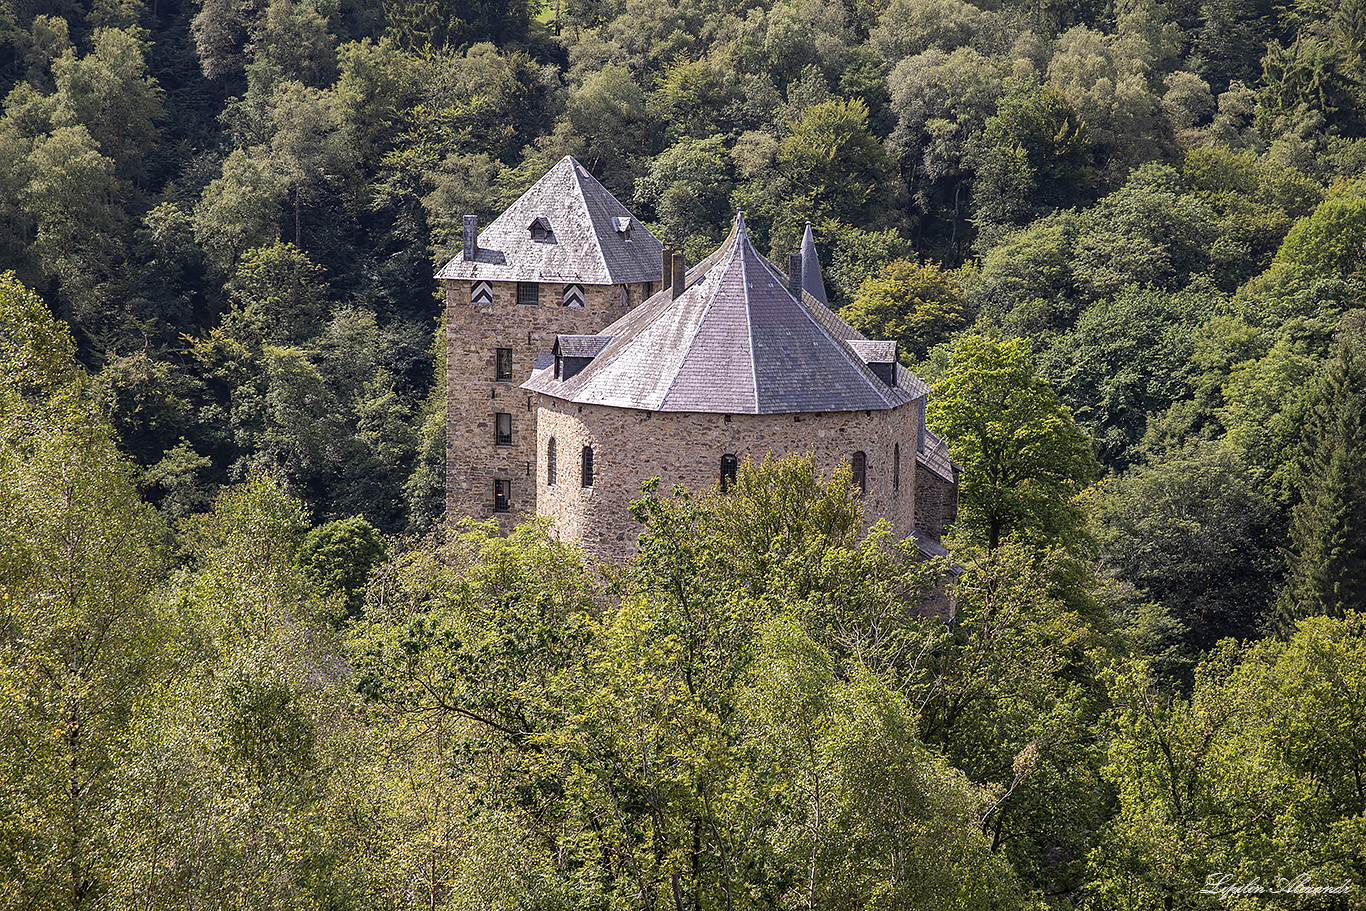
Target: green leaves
<point x="918" y="305"/>
<point x="1023" y="456"/>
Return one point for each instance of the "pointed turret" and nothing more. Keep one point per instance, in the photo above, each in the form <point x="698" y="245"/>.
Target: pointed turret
<point x="812" y="282"/>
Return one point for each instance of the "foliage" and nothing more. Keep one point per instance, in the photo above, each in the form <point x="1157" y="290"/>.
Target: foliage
<point x="1125" y="359"/>
<point x="339" y="556"/>
<point x="1023" y="457"/>
<point x="1233" y="781"/>
<point x="1164" y="200"/>
<point x="1325" y="559"/>
<point x="918" y="305"/>
<point x="1192" y="530"/>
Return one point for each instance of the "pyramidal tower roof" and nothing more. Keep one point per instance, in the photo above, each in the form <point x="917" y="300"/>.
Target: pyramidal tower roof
<point x="566" y="228"/>
<point x="734" y="341"/>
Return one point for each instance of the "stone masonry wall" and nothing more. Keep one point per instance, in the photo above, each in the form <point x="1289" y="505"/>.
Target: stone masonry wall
<point x="937" y="503"/>
<point x="474" y="395"/>
<point x="632" y="446"/>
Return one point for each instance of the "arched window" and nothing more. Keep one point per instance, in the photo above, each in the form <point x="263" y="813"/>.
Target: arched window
<point x="551" y="469"/>
<point x="859" y="463"/>
<point x="730" y="465"/>
<point x="896" y="468"/>
<point x="586" y="479"/>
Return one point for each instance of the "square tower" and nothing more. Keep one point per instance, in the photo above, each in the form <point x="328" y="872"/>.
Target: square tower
<point x="566" y="258"/>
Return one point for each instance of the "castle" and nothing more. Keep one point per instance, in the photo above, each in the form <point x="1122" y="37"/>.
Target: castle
<point x="584" y="358"/>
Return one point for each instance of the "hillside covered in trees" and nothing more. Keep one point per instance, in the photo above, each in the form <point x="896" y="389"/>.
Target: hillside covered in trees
<point x="244" y="664"/>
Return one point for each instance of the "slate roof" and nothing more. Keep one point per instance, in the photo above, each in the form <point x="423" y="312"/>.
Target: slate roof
<point x="736" y="342"/>
<point x="874" y="352"/>
<point x="582" y="345"/>
<point x="812" y="282"/>
<point x="593" y="239"/>
<point x="935" y="457"/>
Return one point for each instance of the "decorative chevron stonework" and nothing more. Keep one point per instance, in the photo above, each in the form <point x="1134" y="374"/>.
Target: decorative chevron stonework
<point x="481" y="294"/>
<point x="573" y="295"/>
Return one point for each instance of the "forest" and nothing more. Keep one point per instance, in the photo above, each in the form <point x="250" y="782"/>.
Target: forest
<point x="246" y="662"/>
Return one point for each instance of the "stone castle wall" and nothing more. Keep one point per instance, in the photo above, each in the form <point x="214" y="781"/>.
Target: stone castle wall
<point x="474" y="395"/>
<point x="631" y="446"/>
<point x="937" y="501"/>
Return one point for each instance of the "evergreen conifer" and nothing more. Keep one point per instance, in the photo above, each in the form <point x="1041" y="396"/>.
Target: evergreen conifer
<point x="1326" y="574"/>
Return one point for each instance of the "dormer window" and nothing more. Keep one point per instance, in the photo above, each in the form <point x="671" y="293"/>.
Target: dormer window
<point x="623" y="226"/>
<point x="540" y="230"/>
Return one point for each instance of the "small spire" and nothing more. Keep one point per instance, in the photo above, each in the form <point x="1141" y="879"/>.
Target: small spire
<point x="812" y="281"/>
<point x="740" y="223"/>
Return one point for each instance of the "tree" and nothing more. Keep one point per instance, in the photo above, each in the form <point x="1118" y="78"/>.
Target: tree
<point x="1033" y="157"/>
<point x="1256" y="774"/>
<point x="917" y="304"/>
<point x="688" y="187"/>
<point x="906" y="28"/>
<point x="438" y="24"/>
<point x="238" y="210"/>
<point x="1023" y="457"/>
<point x="80" y="557"/>
<point x="1012" y="694"/>
<point x="1125" y="359"/>
<point x="278" y="295"/>
<point x="942" y="103"/>
<point x="862" y="811"/>
<point x="340" y="556"/>
<point x="1191" y="530"/>
<point x="834" y="164"/>
<point x="1326" y="565"/>
<point x="72" y="197"/>
<point x="109" y="92"/>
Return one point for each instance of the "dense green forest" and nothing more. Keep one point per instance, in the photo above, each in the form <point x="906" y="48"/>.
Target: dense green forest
<point x="244" y="663"/>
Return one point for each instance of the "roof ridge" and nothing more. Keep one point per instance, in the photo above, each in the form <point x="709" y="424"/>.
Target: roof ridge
<point x="749" y="319"/>
<point x="574" y="167"/>
<point x="702" y="317"/>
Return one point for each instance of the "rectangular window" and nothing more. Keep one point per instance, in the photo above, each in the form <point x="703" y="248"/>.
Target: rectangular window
<point x="528" y="293"/>
<point x="586" y="473"/>
<point x="503" y="436"/>
<point x="502" y="496"/>
<point x="504" y="364"/>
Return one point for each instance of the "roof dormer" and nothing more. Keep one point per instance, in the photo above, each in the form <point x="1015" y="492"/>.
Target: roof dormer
<point x="575" y="352"/>
<point x="540" y="229"/>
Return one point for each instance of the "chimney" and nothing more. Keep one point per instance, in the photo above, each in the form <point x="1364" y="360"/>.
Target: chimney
<point x="667" y="256"/>
<point x="794" y="275"/>
<point x="471" y="236"/>
<point x="680" y="282"/>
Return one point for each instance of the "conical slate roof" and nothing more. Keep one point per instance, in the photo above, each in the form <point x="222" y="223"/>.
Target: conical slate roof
<point x="590" y="237"/>
<point x="735" y="341"/>
<point x="812" y="281"/>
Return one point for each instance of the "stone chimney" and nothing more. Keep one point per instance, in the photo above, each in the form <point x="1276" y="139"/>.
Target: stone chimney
<point x="794" y="275"/>
<point x="667" y="267"/>
<point x="680" y="278"/>
<point x="471" y="236"/>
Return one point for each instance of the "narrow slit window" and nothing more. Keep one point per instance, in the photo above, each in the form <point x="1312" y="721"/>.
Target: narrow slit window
<point x="502" y="496"/>
<point x="504" y="367"/>
<point x="730" y="465"/>
<point x="503" y="434"/>
<point x="551" y="469"/>
<point x="896" y="468"/>
<point x="586" y="479"/>
<point x="528" y="293"/>
<point x="859" y="464"/>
